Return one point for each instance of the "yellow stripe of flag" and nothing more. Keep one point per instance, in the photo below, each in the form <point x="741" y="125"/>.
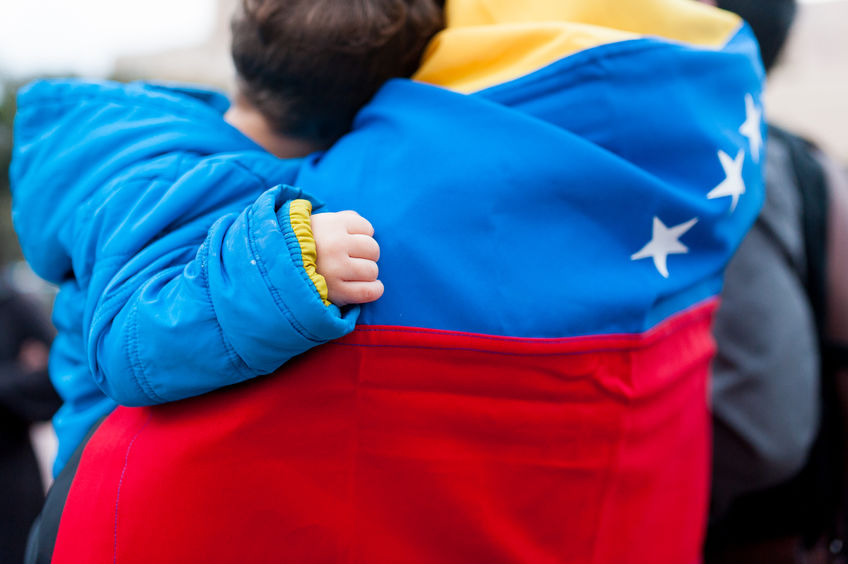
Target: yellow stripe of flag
<point x="489" y="42"/>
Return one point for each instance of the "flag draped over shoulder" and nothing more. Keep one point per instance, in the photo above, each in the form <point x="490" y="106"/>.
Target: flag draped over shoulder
<point x="556" y="197"/>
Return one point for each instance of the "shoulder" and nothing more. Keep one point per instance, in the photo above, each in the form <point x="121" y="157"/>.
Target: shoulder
<point x="72" y="91"/>
<point x="75" y="111"/>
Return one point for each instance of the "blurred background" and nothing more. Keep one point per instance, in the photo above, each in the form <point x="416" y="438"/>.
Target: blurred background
<point x="177" y="40"/>
<point x="186" y="40"/>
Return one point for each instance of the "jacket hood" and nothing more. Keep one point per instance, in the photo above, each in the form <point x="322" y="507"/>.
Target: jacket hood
<point x="74" y="137"/>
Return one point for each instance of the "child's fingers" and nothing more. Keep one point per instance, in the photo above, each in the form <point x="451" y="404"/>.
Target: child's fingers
<point x="364" y="247"/>
<point x="355" y="223"/>
<point x="360" y="270"/>
<point x="357" y="293"/>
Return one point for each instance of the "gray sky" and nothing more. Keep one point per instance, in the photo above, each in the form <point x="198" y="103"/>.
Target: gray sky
<point x="85" y="36"/>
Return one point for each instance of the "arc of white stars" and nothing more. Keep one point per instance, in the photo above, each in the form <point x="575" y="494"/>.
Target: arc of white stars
<point x="752" y="128"/>
<point x="732" y="185"/>
<point x="664" y="241"/>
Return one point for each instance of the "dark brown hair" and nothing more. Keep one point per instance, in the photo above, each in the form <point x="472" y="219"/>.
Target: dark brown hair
<point x="309" y="65"/>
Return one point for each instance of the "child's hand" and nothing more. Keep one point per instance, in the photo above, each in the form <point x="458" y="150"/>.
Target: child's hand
<point x="347" y="257"/>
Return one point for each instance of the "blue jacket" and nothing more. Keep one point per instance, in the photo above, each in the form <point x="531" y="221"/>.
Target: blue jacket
<point x="168" y="233"/>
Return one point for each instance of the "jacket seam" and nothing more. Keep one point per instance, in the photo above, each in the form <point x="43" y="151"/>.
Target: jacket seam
<point x="121" y="483"/>
<point x="119" y="295"/>
<point x="263" y="183"/>
<point x="232" y="356"/>
<point x="275" y="294"/>
<point x="140" y="377"/>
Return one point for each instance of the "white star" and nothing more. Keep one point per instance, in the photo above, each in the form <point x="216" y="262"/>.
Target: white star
<point x="664" y="242"/>
<point x="752" y="128"/>
<point x="732" y="185"/>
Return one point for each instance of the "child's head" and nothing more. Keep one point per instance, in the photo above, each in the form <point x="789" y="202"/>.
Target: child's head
<point x="309" y="65"/>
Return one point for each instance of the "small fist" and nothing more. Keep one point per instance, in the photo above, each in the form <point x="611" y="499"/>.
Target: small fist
<point x="347" y="257"/>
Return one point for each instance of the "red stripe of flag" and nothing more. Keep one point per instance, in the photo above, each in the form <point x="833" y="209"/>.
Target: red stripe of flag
<point x="412" y="445"/>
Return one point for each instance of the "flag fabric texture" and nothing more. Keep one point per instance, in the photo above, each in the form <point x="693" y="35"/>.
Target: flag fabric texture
<point x="556" y="196"/>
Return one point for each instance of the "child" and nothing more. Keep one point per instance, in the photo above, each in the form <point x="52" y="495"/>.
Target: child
<point x="186" y="261"/>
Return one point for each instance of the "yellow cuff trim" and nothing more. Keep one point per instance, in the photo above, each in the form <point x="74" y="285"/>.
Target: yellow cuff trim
<point x="300" y="212"/>
<point x="489" y="42"/>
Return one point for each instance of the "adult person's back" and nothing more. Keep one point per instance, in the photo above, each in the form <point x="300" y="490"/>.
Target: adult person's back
<point x="532" y="386"/>
<point x="784" y="297"/>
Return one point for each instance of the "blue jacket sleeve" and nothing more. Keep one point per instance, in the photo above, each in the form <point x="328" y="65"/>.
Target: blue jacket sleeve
<point x="169" y="320"/>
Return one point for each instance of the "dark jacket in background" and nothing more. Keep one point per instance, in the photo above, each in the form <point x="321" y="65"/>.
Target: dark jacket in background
<point x="25" y="397"/>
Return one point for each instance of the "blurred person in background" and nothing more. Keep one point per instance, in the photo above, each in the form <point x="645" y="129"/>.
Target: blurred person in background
<point x="26" y="396"/>
<point x="780" y="329"/>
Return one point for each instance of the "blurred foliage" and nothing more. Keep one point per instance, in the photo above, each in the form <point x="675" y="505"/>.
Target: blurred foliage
<point x="7" y="113"/>
<point x="9" y="250"/>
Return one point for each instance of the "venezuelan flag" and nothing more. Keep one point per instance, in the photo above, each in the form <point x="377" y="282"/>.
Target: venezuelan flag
<point x="556" y="196"/>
